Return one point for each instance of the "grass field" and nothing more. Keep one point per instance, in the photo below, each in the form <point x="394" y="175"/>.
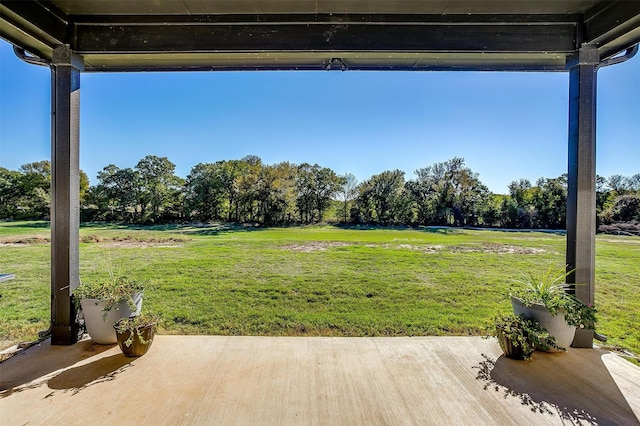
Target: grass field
<point x="314" y="280"/>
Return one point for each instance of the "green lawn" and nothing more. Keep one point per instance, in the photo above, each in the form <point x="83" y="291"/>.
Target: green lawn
<point x="314" y="280"/>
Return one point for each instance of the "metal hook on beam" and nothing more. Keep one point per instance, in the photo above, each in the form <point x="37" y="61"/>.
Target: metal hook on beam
<point x="335" y="64"/>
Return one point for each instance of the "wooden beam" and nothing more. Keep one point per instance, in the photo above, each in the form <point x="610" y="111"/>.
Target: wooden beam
<point x="313" y="33"/>
<point x="610" y="21"/>
<point x="42" y="22"/>
<point x="581" y="199"/>
<point x="65" y="197"/>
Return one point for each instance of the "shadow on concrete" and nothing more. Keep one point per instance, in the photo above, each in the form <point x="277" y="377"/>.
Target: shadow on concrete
<point x="575" y="385"/>
<point x="99" y="371"/>
<point x="21" y="369"/>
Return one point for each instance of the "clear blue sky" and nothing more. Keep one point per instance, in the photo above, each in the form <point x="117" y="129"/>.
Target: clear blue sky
<point x="505" y="125"/>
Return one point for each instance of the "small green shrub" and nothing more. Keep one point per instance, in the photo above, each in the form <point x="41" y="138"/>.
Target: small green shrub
<point x="550" y="290"/>
<point x="523" y="333"/>
<point x="135" y="325"/>
<point x="112" y="291"/>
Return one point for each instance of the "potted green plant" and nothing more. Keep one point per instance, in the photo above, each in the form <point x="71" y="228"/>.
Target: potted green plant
<point x="518" y="337"/>
<point x="546" y="300"/>
<point x="585" y="329"/>
<point x="135" y="334"/>
<point x="105" y="302"/>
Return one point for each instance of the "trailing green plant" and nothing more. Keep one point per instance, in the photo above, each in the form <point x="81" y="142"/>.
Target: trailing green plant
<point x="112" y="291"/>
<point x="549" y="289"/>
<point x="586" y="315"/>
<point x="135" y="325"/>
<point x="523" y="333"/>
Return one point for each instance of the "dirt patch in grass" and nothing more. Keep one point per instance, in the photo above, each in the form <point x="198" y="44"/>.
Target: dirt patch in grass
<point x="24" y="241"/>
<point x="423" y="248"/>
<point x="496" y="248"/>
<point x="626" y="241"/>
<point x="491" y="248"/>
<point x="309" y="246"/>
<point x="133" y="242"/>
<point x="126" y="241"/>
<point x="139" y="244"/>
<point x="417" y="247"/>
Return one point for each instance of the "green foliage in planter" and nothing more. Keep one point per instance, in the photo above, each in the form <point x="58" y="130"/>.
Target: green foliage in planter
<point x="550" y="290"/>
<point x="586" y="315"/>
<point x="135" y="325"/>
<point x="523" y="333"/>
<point x="112" y="291"/>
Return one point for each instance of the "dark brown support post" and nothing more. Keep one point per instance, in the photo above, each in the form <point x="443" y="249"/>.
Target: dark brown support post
<point x="65" y="202"/>
<point x="581" y="200"/>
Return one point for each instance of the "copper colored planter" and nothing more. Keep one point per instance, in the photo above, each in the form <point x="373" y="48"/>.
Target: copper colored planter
<point x="136" y="348"/>
<point x="510" y="351"/>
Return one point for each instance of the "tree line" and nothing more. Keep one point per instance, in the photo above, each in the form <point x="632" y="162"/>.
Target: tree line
<point x="250" y="191"/>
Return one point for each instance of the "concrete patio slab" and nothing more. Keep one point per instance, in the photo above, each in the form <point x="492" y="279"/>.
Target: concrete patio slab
<point x="316" y="381"/>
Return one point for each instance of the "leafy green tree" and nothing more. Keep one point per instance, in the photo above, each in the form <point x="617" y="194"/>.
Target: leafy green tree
<point x="229" y="175"/>
<point x="37" y="174"/>
<point x="633" y="183"/>
<point x="448" y="193"/>
<point x="248" y="188"/>
<point x="403" y="207"/>
<point x="550" y="201"/>
<point x="522" y="193"/>
<point x="118" y="193"/>
<point x="9" y="193"/>
<point x="95" y="205"/>
<point x="204" y="192"/>
<point x="275" y="193"/>
<point x="362" y="211"/>
<point x="35" y="190"/>
<point x="158" y="186"/>
<point x="423" y="194"/>
<point x="327" y="186"/>
<point x="26" y="193"/>
<point x="347" y="193"/>
<point x="315" y="188"/>
<point x="616" y="197"/>
<point x="617" y="183"/>
<point x="509" y="213"/>
<point x="470" y="197"/>
<point x="382" y="198"/>
<point x="492" y="214"/>
<point x="625" y="208"/>
<point x="433" y="193"/>
<point x="305" y="186"/>
<point x="84" y="186"/>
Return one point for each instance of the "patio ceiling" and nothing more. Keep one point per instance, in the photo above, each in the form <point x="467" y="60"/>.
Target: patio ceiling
<point x="116" y="35"/>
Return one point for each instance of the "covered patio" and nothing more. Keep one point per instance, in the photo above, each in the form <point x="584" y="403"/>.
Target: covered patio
<point x="316" y="381"/>
<point x="265" y="380"/>
<point x="72" y="37"/>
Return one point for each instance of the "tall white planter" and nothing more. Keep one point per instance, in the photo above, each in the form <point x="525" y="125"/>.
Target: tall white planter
<point x="555" y="324"/>
<point x="99" y="326"/>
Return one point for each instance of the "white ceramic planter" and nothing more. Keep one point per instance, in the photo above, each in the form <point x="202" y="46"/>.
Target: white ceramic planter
<point x="100" y="327"/>
<point x="555" y="324"/>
